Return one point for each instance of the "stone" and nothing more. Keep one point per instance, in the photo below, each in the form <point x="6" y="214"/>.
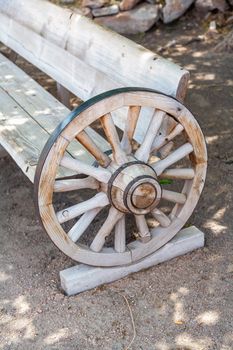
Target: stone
<point x="127" y="5"/>
<point x="106" y="11"/>
<point x="138" y="20"/>
<point x="82" y="277"/>
<point x="174" y="9"/>
<point x="210" y="5"/>
<point x="212" y="30"/>
<point x="66" y="2"/>
<point x="94" y="4"/>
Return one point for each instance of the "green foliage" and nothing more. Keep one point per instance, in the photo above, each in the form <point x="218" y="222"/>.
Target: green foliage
<point x="165" y="182"/>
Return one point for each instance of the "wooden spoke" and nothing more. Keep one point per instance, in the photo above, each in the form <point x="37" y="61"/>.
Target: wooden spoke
<point x="143" y="151"/>
<point x="158" y="143"/>
<point x="163" y="131"/>
<point x="100" y="174"/>
<point x="91" y="146"/>
<point x="82" y="224"/>
<point x="119" y="238"/>
<point x="99" y="200"/>
<point x="130" y="126"/>
<point x="75" y="184"/>
<point x="174" y="197"/>
<point x="161" y="217"/>
<point x="143" y="228"/>
<point x="178" y="174"/>
<point x="175" y="132"/>
<point x="113" y="216"/>
<point x="166" y="149"/>
<point x="174" y="157"/>
<point x="113" y="138"/>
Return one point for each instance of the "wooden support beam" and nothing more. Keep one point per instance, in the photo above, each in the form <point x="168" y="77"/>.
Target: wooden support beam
<point x="13" y="56"/>
<point x="82" y="277"/>
<point x="31" y="29"/>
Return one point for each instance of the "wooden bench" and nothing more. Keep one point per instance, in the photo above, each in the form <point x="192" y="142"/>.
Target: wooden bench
<point x="129" y="171"/>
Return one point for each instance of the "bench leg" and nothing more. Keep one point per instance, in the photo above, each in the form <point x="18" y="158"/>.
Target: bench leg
<point x="13" y="56"/>
<point x="63" y="95"/>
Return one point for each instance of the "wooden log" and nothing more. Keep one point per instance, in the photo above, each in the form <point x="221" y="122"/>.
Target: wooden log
<point x="27" y="24"/>
<point x="82" y="277"/>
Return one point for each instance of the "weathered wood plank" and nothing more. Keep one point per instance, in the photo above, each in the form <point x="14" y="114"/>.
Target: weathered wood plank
<point x="20" y="135"/>
<point x="37" y="109"/>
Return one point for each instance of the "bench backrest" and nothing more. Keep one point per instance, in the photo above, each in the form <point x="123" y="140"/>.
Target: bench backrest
<point x="84" y="57"/>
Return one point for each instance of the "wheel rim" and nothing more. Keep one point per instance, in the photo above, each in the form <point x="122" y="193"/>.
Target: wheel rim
<point x="128" y="179"/>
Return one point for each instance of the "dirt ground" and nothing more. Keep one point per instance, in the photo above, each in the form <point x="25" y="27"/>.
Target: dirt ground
<point x="184" y="304"/>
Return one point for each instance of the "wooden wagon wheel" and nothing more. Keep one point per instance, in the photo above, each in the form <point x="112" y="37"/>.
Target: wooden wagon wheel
<point x="135" y="179"/>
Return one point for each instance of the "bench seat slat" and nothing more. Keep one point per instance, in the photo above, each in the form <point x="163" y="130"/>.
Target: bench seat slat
<point x="20" y="135"/>
<point x="29" y="114"/>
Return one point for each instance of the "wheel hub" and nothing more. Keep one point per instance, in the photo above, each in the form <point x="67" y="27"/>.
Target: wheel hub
<point x="134" y="188"/>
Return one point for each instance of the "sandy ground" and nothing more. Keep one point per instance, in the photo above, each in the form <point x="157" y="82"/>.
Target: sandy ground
<point x="184" y="304"/>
